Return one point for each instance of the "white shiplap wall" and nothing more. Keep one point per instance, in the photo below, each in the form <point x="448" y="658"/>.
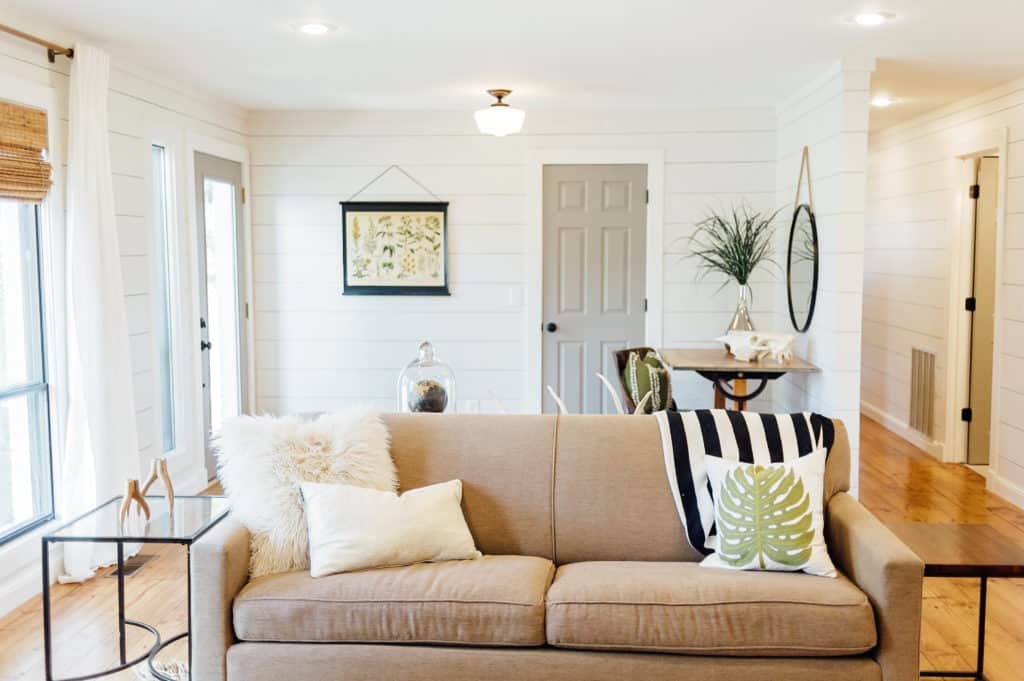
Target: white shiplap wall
<point x="913" y="178"/>
<point x="830" y="116"/>
<point x="317" y="349"/>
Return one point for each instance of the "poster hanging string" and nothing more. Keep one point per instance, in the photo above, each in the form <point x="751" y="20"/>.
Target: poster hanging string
<point x="805" y="166"/>
<point x="387" y="170"/>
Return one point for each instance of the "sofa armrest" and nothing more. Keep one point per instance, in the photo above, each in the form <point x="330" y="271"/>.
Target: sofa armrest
<point x="220" y="568"/>
<point x="889" y="573"/>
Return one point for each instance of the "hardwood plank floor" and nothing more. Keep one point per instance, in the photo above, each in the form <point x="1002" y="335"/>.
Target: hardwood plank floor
<point x="897" y="482"/>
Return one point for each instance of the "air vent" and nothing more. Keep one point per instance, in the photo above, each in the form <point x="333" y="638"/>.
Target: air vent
<point x="922" y="390"/>
<point x="132" y="565"/>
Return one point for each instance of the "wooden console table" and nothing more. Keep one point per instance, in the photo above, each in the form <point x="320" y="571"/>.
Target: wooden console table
<point x="721" y="368"/>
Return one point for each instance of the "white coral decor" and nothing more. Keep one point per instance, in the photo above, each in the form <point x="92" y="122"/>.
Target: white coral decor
<point x="751" y="346"/>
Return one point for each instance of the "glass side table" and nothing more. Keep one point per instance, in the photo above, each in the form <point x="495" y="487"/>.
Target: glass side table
<point x="192" y="517"/>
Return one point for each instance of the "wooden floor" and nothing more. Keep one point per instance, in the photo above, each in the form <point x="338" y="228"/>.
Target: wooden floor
<point x="897" y="482"/>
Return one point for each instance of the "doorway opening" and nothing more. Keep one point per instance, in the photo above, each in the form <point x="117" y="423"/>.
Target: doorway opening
<point x="594" y="278"/>
<point x="223" y="310"/>
<point x="984" y="195"/>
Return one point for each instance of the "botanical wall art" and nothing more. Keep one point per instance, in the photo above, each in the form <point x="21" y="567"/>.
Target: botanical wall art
<point x="395" y="248"/>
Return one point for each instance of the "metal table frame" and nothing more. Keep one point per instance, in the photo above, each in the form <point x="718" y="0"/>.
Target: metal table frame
<point x="122" y="621"/>
<point x="979" y="668"/>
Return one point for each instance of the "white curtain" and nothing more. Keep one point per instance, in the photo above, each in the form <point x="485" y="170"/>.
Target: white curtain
<point x="101" y="447"/>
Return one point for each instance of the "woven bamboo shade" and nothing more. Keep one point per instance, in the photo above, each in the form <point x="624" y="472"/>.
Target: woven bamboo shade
<point x="24" y="170"/>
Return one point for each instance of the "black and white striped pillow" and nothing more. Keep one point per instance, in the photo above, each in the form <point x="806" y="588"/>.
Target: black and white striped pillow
<point x="687" y="436"/>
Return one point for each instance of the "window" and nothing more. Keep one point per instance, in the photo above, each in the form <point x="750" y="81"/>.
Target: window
<point x="162" y="292"/>
<point x="26" y="482"/>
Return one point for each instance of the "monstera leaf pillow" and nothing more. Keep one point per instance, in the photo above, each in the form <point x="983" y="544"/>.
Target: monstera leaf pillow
<point x="769" y="516"/>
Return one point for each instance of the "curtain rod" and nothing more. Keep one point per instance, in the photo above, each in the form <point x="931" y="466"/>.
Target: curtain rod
<point x="52" y="49"/>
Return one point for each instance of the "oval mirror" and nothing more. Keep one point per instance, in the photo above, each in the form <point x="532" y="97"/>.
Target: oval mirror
<point x="802" y="267"/>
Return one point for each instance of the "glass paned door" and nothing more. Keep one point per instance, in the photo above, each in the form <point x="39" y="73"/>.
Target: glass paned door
<point x="26" y="486"/>
<point x="222" y="297"/>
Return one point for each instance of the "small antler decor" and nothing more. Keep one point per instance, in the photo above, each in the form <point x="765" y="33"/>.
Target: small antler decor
<point x="132" y="494"/>
<point x="158" y="469"/>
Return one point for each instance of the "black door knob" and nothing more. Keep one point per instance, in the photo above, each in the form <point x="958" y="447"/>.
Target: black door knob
<point x="551" y="327"/>
<point x="205" y="345"/>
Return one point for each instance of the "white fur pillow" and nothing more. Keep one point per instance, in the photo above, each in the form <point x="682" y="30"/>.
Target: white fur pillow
<point x="262" y="462"/>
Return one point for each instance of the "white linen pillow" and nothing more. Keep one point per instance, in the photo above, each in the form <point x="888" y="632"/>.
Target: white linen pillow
<point x="354" y="528"/>
<point x="262" y="461"/>
<point x="770" y="516"/>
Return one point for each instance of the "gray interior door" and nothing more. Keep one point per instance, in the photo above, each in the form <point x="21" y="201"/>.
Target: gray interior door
<point x="223" y="308"/>
<point x="595" y="220"/>
<point x="983" y="318"/>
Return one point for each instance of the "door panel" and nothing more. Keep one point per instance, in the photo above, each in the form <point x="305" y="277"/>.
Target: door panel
<point x="983" y="319"/>
<point x="595" y="219"/>
<point x="221" y="292"/>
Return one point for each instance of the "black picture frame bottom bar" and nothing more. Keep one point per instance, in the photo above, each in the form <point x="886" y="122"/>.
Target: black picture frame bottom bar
<point x="979" y="669"/>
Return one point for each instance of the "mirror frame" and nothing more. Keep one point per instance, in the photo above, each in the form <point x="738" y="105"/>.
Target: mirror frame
<point x="789" y="267"/>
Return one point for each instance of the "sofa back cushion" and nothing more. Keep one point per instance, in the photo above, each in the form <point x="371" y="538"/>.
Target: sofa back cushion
<point x="504" y="462"/>
<point x="611" y="497"/>
<point x="602" y="495"/>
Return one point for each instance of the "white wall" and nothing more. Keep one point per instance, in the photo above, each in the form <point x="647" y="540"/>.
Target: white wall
<point x="830" y="116"/>
<point x="317" y="349"/>
<point x="141" y="107"/>
<point x="912" y="190"/>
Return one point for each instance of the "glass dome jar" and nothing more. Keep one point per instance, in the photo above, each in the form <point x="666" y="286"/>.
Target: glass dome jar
<point x="426" y="384"/>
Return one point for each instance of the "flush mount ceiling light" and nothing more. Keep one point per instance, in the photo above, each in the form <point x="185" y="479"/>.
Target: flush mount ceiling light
<point x="871" y="18"/>
<point x="882" y="101"/>
<point x="315" y="28"/>
<point x="500" y="119"/>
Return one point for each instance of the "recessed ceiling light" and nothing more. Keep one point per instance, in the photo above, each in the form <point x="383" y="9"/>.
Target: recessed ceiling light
<point x="315" y="28"/>
<point x="871" y="18"/>
<point x="882" y="101"/>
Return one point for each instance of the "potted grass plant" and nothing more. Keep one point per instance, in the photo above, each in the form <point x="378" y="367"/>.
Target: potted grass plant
<point x="735" y="244"/>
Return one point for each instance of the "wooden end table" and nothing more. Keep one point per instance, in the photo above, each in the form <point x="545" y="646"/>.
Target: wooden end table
<point x="721" y="368"/>
<point x="952" y="550"/>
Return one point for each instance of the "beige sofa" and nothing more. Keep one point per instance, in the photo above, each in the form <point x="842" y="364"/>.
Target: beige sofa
<point x="587" y="576"/>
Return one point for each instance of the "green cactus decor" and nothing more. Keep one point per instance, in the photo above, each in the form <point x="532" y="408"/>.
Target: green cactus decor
<point x="648" y="374"/>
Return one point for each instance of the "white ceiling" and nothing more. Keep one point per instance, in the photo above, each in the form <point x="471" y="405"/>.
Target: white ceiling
<point x="442" y="54"/>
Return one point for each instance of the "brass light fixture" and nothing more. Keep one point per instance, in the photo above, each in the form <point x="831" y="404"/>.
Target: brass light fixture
<point x="500" y="119"/>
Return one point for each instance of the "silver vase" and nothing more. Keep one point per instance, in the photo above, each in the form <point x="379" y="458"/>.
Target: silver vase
<point x="741" y="319"/>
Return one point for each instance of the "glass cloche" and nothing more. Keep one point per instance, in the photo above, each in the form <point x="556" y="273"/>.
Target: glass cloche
<point x="426" y="384"/>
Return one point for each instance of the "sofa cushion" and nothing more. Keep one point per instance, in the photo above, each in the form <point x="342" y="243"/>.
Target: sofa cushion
<point x="683" y="608"/>
<point x="494" y="600"/>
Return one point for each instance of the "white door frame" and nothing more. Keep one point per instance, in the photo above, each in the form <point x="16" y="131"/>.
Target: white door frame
<point x="654" y="159"/>
<point x="958" y="339"/>
<point x="240" y="154"/>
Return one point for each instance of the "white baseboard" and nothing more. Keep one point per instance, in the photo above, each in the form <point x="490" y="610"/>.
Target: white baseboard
<point x="901" y="429"/>
<point x="1002" y="487"/>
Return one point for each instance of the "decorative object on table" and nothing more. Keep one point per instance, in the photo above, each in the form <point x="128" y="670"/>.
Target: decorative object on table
<point x="426" y="384"/>
<point x="735" y="245"/>
<point x="133" y="497"/>
<point x="802" y="255"/>
<point x="395" y="248"/>
<point x="646" y="374"/>
<point x="641" y="406"/>
<point x="499" y="119"/>
<point x="262" y="461"/>
<point x="781" y="437"/>
<point x="104" y="524"/>
<point x="158" y="470"/>
<point x="751" y="346"/>
<point x="354" y="528"/>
